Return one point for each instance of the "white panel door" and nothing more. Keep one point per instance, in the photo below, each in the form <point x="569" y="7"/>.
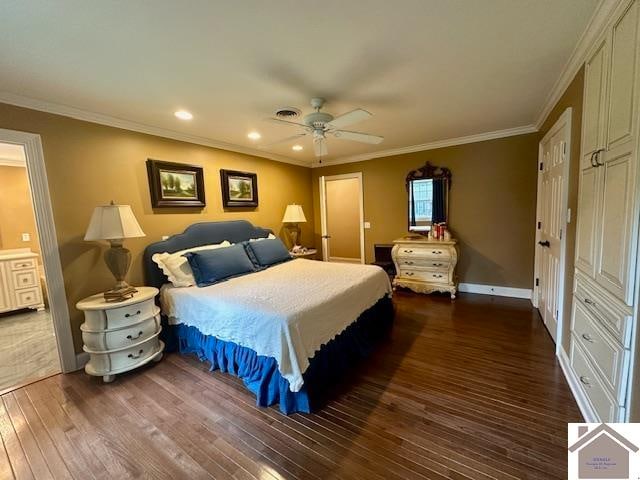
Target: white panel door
<point x="586" y="239"/>
<point x="5" y="303"/>
<point x="594" y="104"/>
<point x="551" y="215"/>
<point x="615" y="227"/>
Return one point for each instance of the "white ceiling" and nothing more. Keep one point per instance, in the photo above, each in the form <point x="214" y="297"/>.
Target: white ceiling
<point x="428" y="70"/>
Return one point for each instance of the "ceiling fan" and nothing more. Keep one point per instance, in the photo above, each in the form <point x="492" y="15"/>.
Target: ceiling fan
<point x="320" y="124"/>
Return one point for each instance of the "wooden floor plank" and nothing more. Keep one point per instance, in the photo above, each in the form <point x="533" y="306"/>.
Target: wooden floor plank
<point x="462" y="390"/>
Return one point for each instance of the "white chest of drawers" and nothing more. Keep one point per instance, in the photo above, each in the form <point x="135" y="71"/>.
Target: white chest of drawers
<point x="425" y="265"/>
<point x="19" y="280"/>
<point x="121" y="336"/>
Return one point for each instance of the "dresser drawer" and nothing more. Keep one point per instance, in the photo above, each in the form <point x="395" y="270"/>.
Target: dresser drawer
<point x="608" y="356"/>
<point x="600" y="307"/>
<point x="432" y="253"/>
<point x="24" y="278"/>
<point x="423" y="263"/>
<point x="124" y="316"/>
<point x="117" y="361"/>
<point x="28" y="297"/>
<point x="120" y="338"/>
<point x="22" y="264"/>
<point x="603" y="404"/>
<point x="425" y="275"/>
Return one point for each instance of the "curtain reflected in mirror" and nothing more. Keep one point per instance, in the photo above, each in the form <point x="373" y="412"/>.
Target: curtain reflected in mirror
<point x="428" y="189"/>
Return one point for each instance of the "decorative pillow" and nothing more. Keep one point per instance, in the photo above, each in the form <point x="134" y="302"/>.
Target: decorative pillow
<point x="176" y="267"/>
<point x="268" y="252"/>
<point x="270" y="237"/>
<point x="213" y="266"/>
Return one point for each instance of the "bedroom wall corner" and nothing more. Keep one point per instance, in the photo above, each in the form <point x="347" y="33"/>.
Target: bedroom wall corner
<point x="89" y="164"/>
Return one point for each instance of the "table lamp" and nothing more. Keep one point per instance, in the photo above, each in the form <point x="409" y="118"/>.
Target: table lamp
<point x="294" y="215"/>
<point x="114" y="223"/>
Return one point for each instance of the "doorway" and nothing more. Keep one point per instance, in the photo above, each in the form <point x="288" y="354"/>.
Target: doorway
<point x="342" y="218"/>
<point x="554" y="153"/>
<point x="35" y="334"/>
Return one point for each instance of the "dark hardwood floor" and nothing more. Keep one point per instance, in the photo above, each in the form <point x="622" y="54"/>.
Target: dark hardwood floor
<point x="463" y="390"/>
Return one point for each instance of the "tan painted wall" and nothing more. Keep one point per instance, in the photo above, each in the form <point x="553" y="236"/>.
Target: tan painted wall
<point x="572" y="97"/>
<point x="16" y="210"/>
<point x="89" y="164"/>
<point x="492" y="204"/>
<point x="343" y="217"/>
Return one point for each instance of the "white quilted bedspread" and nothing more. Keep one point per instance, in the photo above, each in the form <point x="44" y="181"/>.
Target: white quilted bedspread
<point x="287" y="311"/>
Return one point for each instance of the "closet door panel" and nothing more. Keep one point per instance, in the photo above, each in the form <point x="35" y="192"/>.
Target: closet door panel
<point x="622" y="79"/>
<point x="586" y="229"/>
<point x="615" y="227"/>
<point x="594" y="98"/>
<point x="5" y="303"/>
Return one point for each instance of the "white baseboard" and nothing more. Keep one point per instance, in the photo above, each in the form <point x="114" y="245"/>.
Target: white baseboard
<point x="495" y="290"/>
<point x="584" y="405"/>
<point x="81" y="360"/>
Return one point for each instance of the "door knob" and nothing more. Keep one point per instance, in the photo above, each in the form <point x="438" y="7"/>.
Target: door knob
<point x="544" y="244"/>
<point x="326" y="236"/>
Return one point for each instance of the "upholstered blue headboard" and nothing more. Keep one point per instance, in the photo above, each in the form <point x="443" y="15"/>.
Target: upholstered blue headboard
<point x="194" y="236"/>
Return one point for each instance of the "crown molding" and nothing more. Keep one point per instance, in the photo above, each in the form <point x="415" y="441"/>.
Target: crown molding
<point x="594" y="28"/>
<point x="12" y="162"/>
<point x="480" y="137"/>
<point x="84" y="115"/>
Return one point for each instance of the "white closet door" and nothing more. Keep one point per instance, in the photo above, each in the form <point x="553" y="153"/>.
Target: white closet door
<point x="586" y="229"/>
<point x="594" y="104"/>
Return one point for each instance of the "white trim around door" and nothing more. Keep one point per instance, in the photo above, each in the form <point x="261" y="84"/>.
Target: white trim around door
<point x="564" y="121"/>
<point x="323" y="213"/>
<point x="48" y="242"/>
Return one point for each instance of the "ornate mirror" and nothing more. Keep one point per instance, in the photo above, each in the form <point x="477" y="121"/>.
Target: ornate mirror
<point x="428" y="191"/>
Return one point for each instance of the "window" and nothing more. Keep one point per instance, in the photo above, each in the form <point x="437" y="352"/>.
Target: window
<point x="422" y="198"/>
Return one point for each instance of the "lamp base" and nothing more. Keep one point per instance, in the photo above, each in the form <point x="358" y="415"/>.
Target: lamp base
<point x="118" y="260"/>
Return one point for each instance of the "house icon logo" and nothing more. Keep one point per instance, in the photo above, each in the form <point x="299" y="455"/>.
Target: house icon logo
<point x="601" y="451"/>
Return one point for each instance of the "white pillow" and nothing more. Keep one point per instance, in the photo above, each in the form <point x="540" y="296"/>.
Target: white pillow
<point x="176" y="267"/>
<point x="270" y="237"/>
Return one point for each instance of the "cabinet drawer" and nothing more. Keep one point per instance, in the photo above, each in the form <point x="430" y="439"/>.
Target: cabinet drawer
<point x="116" y="361"/>
<point x="27" y="297"/>
<point x="432" y="253"/>
<point x="24" y="278"/>
<point x="22" y="264"/>
<point x="124" y="337"/>
<point x="425" y="276"/>
<point x="125" y="316"/>
<point x="600" y="307"/>
<point x="423" y="263"/>
<point x="607" y="355"/>
<point x="603" y="404"/>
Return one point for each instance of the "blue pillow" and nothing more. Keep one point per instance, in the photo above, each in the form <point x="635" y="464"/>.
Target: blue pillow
<point x="213" y="266"/>
<point x="267" y="252"/>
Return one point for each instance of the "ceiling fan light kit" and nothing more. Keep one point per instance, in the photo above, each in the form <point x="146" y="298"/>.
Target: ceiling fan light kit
<point x="319" y="124"/>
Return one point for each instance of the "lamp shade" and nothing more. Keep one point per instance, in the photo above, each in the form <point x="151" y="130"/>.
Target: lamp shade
<point x="294" y="214"/>
<point x="112" y="222"/>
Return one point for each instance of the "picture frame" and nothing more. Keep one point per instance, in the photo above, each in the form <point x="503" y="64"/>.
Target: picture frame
<point x="239" y="189"/>
<point x="175" y="184"/>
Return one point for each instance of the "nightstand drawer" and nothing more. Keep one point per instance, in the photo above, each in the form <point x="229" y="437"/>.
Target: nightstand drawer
<point x="124" y="316"/>
<point x="121" y="338"/>
<point x="24" y="278"/>
<point x="22" y="264"/>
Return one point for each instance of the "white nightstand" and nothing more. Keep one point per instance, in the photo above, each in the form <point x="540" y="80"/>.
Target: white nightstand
<point x="310" y="253"/>
<point x="121" y="336"/>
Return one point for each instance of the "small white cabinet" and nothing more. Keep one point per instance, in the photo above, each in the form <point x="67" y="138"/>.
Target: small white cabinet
<point x="19" y="280"/>
<point x="121" y="336"/>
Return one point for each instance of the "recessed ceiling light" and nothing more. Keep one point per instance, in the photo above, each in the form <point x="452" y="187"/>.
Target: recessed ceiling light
<point x="297" y="148"/>
<point x="254" y="135"/>
<point x="183" y="115"/>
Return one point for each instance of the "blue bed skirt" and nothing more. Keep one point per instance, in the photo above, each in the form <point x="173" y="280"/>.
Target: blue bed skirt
<point x="260" y="374"/>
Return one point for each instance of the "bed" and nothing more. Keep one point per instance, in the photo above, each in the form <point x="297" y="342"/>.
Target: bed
<point x="290" y="331"/>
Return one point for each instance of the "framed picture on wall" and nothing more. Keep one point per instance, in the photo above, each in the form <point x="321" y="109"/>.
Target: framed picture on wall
<point x="175" y="184"/>
<point x="239" y="189"/>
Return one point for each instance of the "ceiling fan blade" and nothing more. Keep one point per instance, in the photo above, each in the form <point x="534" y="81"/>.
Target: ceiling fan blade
<point x="358" y="137"/>
<point x="320" y="146"/>
<point x="286" y="122"/>
<point x="348" y="118"/>
<point x="284" y="140"/>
